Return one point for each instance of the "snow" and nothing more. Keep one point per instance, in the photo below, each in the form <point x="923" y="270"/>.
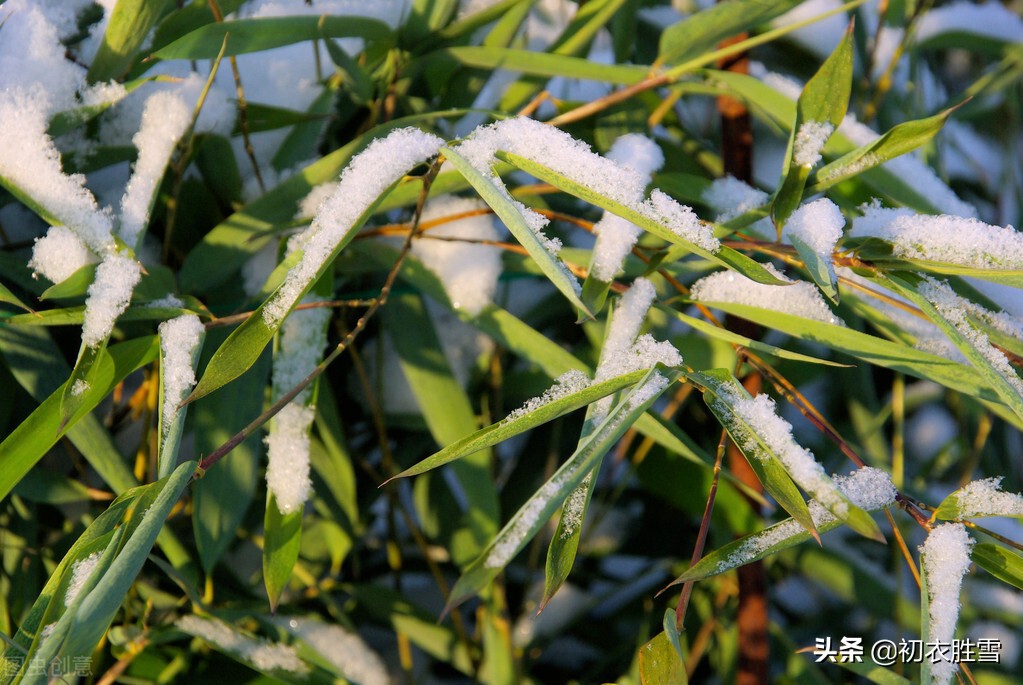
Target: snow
<point x="365" y="178"/>
<point x="575" y="508"/>
<point x="310" y="204"/>
<point x="81" y="571"/>
<point x="566" y="384"/>
<point x="345" y="650"/>
<point x="810" y="140"/>
<point x="946" y="559"/>
<point x="302" y="338"/>
<point x="945" y="238"/>
<point x="109" y="295"/>
<point x="986" y="498"/>
<point x="868" y="488"/>
<point x="165" y="119"/>
<point x="263" y="654"/>
<point x="818" y="224"/>
<point x="680" y="220"/>
<point x="508" y="543"/>
<point x="732" y="197"/>
<point x="953" y="309"/>
<point x="59" y="254"/>
<point x="799" y="299"/>
<point x="287" y="471"/>
<point x="615" y="235"/>
<point x="179" y="338"/>
<point x="988" y="19"/>
<point x="30" y="161"/>
<point x="468" y="271"/>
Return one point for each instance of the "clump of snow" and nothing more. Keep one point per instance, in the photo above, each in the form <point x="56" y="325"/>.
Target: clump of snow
<point x="468" y="271"/>
<point x="953" y="309"/>
<point x="345" y="650"/>
<point x="365" y="178"/>
<point x="818" y="224"/>
<point x="287" y="471"/>
<point x="81" y="571"/>
<point x="988" y="19"/>
<point x="946" y="559"/>
<point x="945" y="238"/>
<point x="615" y="235"/>
<point x="179" y="338"/>
<point x="263" y="654"/>
<point x="680" y="220"/>
<point x="59" y="254"/>
<point x="986" y="498"/>
<point x="575" y="508"/>
<point x="564" y="385"/>
<point x="80" y="387"/>
<point x="167" y="301"/>
<point x="310" y="204"/>
<point x="810" y="140"/>
<point x="302" y="338"/>
<point x="164" y="120"/>
<point x="868" y="488"/>
<point x="799" y="299"/>
<point x="732" y="197"/>
<point x="109" y="295"/>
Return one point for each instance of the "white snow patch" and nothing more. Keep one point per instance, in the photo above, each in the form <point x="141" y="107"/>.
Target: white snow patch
<point x="575" y="508"/>
<point x="165" y="119"/>
<point x="680" y="220"/>
<point x="263" y="654"/>
<point x="59" y="254"/>
<point x="810" y="140"/>
<point x="818" y="224"/>
<point x="365" y="178"/>
<point x="564" y="385"/>
<point x="986" y="498"/>
<point x="287" y="471"/>
<point x="109" y="295"/>
<point x="345" y="650"/>
<point x="946" y="559"/>
<point x="179" y="338"/>
<point x="81" y="571"/>
<point x="732" y="197"/>
<point x="799" y="299"/>
<point x="302" y="338"/>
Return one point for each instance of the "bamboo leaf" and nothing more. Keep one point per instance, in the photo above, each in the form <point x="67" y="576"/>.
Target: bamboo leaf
<point x="819" y="266"/>
<point x="660" y="663"/>
<point x="552" y="267"/>
<point x="130" y="23"/>
<point x="528" y="520"/>
<point x="1000" y="562"/>
<point x="703" y="30"/>
<point x="543" y="64"/>
<point x="266" y="33"/>
<point x="281" y="542"/>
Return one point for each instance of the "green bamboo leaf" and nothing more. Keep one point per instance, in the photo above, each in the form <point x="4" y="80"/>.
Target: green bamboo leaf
<point x="702" y="31"/>
<point x="470" y="23"/>
<point x="70" y="119"/>
<point x="188" y="18"/>
<point x="868" y="348"/>
<point x="553" y="268"/>
<point x="266" y="33"/>
<point x="518" y="423"/>
<point x="660" y="663"/>
<point x="979" y="499"/>
<point x="988" y="362"/>
<point x="819" y="267"/>
<point x="723" y="255"/>
<point x="281" y="542"/>
<point x="74" y="286"/>
<point x="542" y="64"/>
<point x="719" y="384"/>
<point x="534" y="514"/>
<point x="1000" y="562"/>
<point x="359" y="82"/>
<point x="898" y="140"/>
<point x="83" y="376"/>
<point x="8" y="297"/>
<point x="819" y="111"/>
<point x="130" y="23"/>
<point x="40" y="431"/>
<point x="564" y="544"/>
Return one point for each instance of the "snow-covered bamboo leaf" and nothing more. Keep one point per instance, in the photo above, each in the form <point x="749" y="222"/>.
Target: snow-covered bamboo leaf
<point x="896" y="141"/>
<point x="722" y="255"/>
<point x="532" y="516"/>
<point x="181" y="341"/>
<point x="1000" y="562"/>
<point x="277" y="661"/>
<point x="27" y="443"/>
<point x="819" y="267"/>
<point x="721" y="391"/>
<point x="703" y="30"/>
<point x="552" y="267"/>
<point x="948" y="311"/>
<point x="819" y="111"/>
<point x="129" y="25"/>
<point x="281" y="542"/>
<point x="266" y="33"/>
<point x="544" y="64"/>
<point x="944" y="560"/>
<point x="980" y="498"/>
<point x="869" y="488"/>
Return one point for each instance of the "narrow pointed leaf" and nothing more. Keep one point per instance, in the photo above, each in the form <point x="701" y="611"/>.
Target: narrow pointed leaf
<point x="281" y="543"/>
<point x="170" y="432"/>
<point x="1000" y="562"/>
<point x="702" y="31"/>
<point x="564" y="545"/>
<point x="819" y="266"/>
<point x="552" y="267"/>
<point x="130" y="22"/>
<point x="534" y="514"/>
